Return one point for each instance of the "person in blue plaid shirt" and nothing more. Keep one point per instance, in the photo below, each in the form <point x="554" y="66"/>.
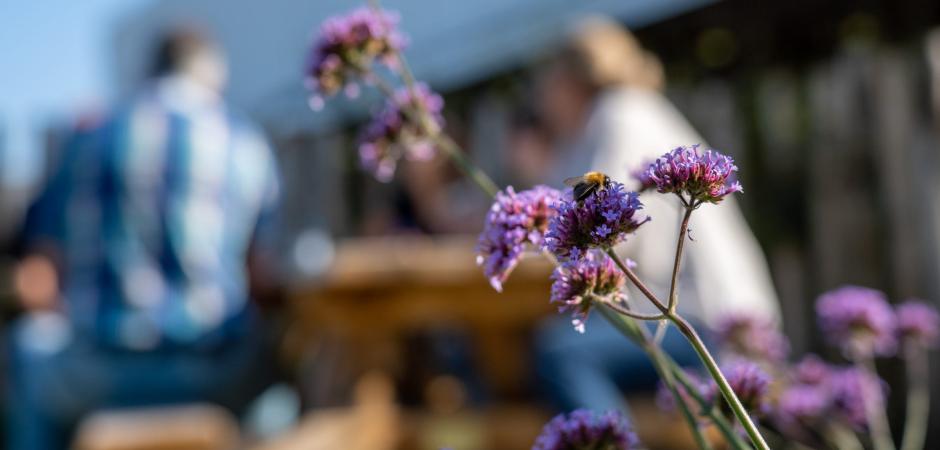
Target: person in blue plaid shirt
<point x="146" y="233"/>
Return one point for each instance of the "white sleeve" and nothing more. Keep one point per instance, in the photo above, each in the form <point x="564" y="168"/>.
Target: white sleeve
<point x="730" y="272"/>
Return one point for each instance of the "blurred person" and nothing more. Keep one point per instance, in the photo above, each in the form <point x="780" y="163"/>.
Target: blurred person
<point x="137" y="257"/>
<point x="601" y="100"/>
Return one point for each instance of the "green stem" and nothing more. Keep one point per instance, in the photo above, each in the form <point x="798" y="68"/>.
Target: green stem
<point x="686" y="329"/>
<point x="842" y="438"/>
<point x="665" y="364"/>
<point x="736" y="407"/>
<point x="683" y="229"/>
<point x="638" y="334"/>
<point x="918" y="397"/>
<point x="460" y="160"/>
<point x="878" y="427"/>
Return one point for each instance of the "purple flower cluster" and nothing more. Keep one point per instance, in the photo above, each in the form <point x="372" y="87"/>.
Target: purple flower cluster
<point x="748" y="381"/>
<point x="820" y="392"/>
<point x="577" y="284"/>
<point x="583" y="430"/>
<point x="812" y="370"/>
<point x="347" y="45"/>
<point x="858" y="320"/>
<point x="702" y="176"/>
<point x="392" y="134"/>
<point x="602" y="220"/>
<point x="642" y="176"/>
<point x="803" y="405"/>
<point x="752" y="337"/>
<point x="514" y="220"/>
<point x="918" y="322"/>
<point x="851" y="388"/>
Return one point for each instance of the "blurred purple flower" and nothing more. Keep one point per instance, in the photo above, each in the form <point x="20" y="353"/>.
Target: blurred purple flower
<point x="642" y="176"/>
<point x="392" y="134"/>
<point x="514" y="220"/>
<point x="748" y="381"/>
<point x="851" y="388"/>
<point x="803" y="404"/>
<point x="347" y="45"/>
<point x="752" y="337"/>
<point x="583" y="430"/>
<point x="919" y="322"/>
<point x="577" y="284"/>
<point x="811" y="370"/>
<point x="703" y="177"/>
<point x="601" y="221"/>
<point x="858" y="320"/>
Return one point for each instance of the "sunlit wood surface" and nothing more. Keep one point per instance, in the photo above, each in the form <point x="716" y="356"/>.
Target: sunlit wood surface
<point x="380" y="289"/>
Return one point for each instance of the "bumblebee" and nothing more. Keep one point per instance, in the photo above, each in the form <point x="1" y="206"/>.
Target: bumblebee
<point x="587" y="184"/>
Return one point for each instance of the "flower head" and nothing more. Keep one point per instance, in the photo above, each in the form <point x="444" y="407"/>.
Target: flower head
<point x="749" y="382"/>
<point x="642" y="176"/>
<point x="702" y="176"/>
<point x="583" y="430"/>
<point x="347" y="45"/>
<point x="602" y="220"/>
<point x="753" y="337"/>
<point x="392" y="134"/>
<point x="851" y="388"/>
<point x="811" y="370"/>
<point x="577" y="284"/>
<point x="858" y="320"/>
<point x="514" y="220"/>
<point x="919" y="322"/>
<point x="803" y="404"/>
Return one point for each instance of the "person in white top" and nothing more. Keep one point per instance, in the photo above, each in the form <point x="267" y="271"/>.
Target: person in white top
<point x="600" y="98"/>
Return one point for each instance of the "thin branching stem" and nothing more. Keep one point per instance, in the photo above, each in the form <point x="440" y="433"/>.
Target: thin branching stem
<point x="661" y="362"/>
<point x="680" y="244"/>
<point x="639" y="316"/>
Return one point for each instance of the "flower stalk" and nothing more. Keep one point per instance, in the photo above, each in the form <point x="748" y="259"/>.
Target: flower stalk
<point x="638" y="335"/>
<point x="878" y="428"/>
<point x="918" y="397"/>
<point x="683" y="230"/>
<point x="673" y="376"/>
<point x="704" y="355"/>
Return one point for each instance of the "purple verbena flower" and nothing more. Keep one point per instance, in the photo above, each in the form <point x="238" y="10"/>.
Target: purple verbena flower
<point x="851" y="388"/>
<point x="602" y="220"/>
<point x="642" y="176"/>
<point x="701" y="176"/>
<point x="578" y="283"/>
<point x="514" y="220"/>
<point x="752" y="337"/>
<point x="858" y="320"/>
<point x="347" y="45"/>
<point x="812" y="370"/>
<point x="584" y="430"/>
<point x="748" y="381"/>
<point x="803" y="404"/>
<point x="392" y="134"/>
<point x="918" y="322"/>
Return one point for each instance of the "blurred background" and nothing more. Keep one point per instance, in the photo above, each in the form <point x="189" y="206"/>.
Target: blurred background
<point x="384" y="332"/>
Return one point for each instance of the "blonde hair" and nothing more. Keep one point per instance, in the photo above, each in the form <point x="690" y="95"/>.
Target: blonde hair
<point x="601" y="53"/>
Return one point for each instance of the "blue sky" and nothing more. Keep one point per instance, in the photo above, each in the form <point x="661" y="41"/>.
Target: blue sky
<point x="54" y="61"/>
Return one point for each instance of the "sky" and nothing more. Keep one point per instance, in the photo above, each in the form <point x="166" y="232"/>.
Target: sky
<point x="54" y="62"/>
